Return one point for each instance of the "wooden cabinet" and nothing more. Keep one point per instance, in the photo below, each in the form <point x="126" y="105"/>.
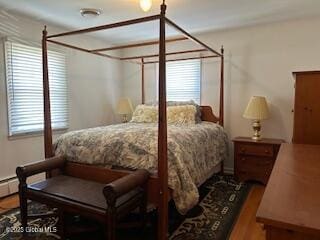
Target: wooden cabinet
<point x="307" y="108"/>
<point x="254" y="160"/>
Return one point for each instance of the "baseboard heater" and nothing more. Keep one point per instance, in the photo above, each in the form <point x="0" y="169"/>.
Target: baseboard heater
<point x="9" y="185"/>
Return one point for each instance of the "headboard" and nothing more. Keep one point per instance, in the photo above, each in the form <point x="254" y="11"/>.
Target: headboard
<point x="208" y="115"/>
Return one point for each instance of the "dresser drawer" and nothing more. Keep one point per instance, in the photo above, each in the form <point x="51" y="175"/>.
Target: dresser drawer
<point x="257" y="150"/>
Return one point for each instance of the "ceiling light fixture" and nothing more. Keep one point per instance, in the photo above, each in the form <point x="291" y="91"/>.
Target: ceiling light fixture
<point x="90" y="12"/>
<point x="145" y="5"/>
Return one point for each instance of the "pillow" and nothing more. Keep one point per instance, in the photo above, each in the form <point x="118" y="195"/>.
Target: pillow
<point x="191" y="102"/>
<point x="181" y="114"/>
<point x="145" y="114"/>
<point x="182" y="103"/>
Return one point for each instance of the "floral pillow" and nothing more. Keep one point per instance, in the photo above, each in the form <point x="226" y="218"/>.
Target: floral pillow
<point x="184" y="114"/>
<point x="145" y="114"/>
<point x="182" y="103"/>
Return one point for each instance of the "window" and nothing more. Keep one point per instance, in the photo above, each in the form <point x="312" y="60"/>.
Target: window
<point x="24" y="88"/>
<point x="183" y="80"/>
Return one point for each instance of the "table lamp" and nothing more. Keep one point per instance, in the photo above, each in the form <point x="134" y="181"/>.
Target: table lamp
<point x="124" y="108"/>
<point x="256" y="110"/>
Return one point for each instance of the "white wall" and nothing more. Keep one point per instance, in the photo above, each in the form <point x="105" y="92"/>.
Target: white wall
<point x="259" y="61"/>
<point x="94" y="85"/>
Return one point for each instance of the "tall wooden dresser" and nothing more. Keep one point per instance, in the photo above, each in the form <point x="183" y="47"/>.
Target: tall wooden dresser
<point x="307" y="108"/>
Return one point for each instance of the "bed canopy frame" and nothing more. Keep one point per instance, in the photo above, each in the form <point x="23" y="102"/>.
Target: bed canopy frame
<point x="162" y="177"/>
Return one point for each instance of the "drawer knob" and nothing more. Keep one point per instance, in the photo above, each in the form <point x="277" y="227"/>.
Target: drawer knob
<point x="266" y="151"/>
<point x="243" y="159"/>
<point x="242" y="149"/>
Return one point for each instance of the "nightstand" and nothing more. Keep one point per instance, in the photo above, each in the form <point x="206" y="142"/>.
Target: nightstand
<point x="254" y="160"/>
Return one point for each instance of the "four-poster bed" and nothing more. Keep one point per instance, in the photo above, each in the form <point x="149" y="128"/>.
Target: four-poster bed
<point x="158" y="191"/>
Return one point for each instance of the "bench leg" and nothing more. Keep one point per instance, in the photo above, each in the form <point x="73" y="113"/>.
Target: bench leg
<point x="24" y="213"/>
<point x="61" y="224"/>
<point x="23" y="207"/>
<point x="143" y="211"/>
<point x="111" y="225"/>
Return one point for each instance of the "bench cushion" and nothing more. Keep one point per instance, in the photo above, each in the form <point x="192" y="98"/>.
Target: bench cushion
<point x="80" y="190"/>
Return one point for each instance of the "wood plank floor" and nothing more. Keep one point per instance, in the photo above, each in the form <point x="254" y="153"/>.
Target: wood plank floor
<point x="9" y="203"/>
<point x="246" y="227"/>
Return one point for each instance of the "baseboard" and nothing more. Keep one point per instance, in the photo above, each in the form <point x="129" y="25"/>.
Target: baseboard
<point x="4" y="189"/>
<point x="10" y="186"/>
<point x="228" y="170"/>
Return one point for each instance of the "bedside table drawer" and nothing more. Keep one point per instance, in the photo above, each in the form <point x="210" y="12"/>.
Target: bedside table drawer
<point x="260" y="176"/>
<point x="257" y="150"/>
<point x="254" y="162"/>
<point x="254" y="168"/>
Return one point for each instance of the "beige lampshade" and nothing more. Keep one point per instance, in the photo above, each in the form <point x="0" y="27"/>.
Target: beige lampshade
<point x="124" y="106"/>
<point x="257" y="109"/>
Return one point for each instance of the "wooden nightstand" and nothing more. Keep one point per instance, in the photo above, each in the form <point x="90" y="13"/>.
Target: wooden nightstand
<point x="254" y="160"/>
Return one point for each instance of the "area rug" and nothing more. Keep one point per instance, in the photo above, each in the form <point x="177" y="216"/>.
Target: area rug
<point x="221" y="199"/>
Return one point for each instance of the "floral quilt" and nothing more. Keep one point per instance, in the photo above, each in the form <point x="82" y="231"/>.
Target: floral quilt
<point x="193" y="151"/>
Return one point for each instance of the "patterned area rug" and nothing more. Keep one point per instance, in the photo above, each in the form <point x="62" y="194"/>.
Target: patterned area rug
<point x="221" y="199"/>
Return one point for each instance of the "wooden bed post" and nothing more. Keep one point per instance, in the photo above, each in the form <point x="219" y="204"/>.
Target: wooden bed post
<point x="221" y="111"/>
<point x="142" y="82"/>
<point x="162" y="134"/>
<point x="46" y="98"/>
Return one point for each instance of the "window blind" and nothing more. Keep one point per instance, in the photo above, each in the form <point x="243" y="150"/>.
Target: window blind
<point x="24" y="88"/>
<point x="184" y="80"/>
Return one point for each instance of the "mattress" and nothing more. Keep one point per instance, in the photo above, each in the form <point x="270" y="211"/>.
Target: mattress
<point x="193" y="151"/>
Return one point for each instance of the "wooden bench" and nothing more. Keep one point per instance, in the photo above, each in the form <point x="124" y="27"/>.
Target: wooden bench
<point x="106" y="203"/>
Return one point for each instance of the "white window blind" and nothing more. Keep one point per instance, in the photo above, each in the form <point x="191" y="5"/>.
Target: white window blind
<point x="184" y="80"/>
<point x="24" y="88"/>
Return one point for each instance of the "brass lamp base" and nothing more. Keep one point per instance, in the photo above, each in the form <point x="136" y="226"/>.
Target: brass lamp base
<point x="256" y="128"/>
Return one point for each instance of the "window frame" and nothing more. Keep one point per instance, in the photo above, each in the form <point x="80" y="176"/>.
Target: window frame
<point x="38" y="132"/>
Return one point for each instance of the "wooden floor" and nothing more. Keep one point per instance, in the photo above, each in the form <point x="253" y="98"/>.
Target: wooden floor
<point x="9" y="203"/>
<point x="246" y="227"/>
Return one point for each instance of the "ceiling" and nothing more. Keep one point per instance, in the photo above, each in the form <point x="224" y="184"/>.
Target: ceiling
<point x="195" y="16"/>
